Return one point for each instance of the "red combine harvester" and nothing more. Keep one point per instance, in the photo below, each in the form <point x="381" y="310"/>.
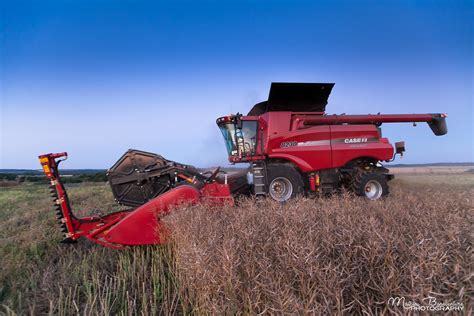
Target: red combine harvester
<point x="292" y="147"/>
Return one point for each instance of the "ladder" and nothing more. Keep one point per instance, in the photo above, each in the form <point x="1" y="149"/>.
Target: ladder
<point x="259" y="172"/>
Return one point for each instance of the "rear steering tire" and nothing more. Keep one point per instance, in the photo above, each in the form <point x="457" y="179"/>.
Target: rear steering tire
<point x="284" y="181"/>
<point x="370" y="184"/>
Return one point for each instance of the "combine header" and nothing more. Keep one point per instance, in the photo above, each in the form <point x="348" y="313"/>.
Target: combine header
<point x="291" y="146"/>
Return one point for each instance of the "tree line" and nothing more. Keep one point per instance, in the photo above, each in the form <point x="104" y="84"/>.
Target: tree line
<point x="77" y="178"/>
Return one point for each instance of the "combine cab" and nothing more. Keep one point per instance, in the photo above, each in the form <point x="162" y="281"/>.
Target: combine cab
<point x="292" y="148"/>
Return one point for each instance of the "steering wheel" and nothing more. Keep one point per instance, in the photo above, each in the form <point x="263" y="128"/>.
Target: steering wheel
<point x="213" y="176"/>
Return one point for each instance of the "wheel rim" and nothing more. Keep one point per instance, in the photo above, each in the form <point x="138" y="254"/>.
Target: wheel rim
<point x="281" y="189"/>
<point x="373" y="190"/>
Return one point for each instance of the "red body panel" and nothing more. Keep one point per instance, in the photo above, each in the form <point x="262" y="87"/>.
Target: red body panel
<point x="309" y="149"/>
<point x="284" y="135"/>
<point x="216" y="194"/>
<point x="344" y="151"/>
<point x="142" y="226"/>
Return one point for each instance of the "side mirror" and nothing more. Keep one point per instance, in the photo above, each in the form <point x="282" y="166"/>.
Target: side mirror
<point x="400" y="148"/>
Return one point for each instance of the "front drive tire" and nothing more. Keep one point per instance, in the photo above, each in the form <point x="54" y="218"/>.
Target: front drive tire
<point x="284" y="181"/>
<point x="370" y="184"/>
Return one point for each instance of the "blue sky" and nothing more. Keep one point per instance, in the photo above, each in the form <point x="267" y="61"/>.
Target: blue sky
<point x="95" y="78"/>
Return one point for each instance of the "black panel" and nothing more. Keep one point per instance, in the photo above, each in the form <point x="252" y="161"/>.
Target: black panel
<point x="295" y="97"/>
<point x="237" y="181"/>
<point x="258" y="109"/>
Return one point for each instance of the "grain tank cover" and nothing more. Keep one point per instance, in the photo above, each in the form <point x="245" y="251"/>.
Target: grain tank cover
<point x="295" y="97"/>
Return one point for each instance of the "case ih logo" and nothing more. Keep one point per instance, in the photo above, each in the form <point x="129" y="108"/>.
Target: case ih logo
<point x="355" y="140"/>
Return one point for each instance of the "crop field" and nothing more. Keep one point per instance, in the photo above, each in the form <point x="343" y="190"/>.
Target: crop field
<point x="339" y="254"/>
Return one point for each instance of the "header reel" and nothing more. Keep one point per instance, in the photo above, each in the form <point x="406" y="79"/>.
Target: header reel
<point x="139" y="176"/>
